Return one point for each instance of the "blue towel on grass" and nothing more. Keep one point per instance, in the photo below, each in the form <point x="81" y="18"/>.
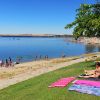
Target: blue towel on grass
<point x="86" y="89"/>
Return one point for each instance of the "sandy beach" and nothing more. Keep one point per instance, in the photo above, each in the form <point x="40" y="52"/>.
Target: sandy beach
<point x="24" y="71"/>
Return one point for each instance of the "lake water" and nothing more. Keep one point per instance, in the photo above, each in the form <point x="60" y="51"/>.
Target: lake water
<point x="29" y="48"/>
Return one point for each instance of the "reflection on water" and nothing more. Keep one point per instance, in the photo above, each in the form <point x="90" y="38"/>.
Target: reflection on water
<point x="99" y="48"/>
<point x="89" y="48"/>
<point x="36" y="48"/>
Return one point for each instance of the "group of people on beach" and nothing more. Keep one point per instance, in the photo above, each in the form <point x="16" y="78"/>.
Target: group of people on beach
<point x="8" y="62"/>
<point x="46" y="57"/>
<point x="41" y="57"/>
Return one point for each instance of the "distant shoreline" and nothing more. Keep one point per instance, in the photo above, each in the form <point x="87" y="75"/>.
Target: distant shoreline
<point x="34" y="35"/>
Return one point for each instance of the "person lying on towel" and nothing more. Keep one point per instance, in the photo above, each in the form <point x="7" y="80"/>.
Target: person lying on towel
<point x="92" y="73"/>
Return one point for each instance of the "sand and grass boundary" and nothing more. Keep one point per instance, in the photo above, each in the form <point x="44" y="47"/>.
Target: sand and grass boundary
<point x="24" y="71"/>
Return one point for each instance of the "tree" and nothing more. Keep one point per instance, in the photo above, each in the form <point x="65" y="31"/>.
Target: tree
<point x="87" y="22"/>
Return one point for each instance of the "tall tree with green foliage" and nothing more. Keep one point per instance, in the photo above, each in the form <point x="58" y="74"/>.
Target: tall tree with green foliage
<point x="87" y="22"/>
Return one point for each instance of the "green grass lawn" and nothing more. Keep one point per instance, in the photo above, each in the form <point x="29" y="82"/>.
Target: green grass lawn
<point x="37" y="88"/>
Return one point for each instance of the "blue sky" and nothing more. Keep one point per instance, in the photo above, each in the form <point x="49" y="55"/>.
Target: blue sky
<point x="37" y="16"/>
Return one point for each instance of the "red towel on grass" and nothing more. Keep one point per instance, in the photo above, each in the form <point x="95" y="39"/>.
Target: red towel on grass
<point x="62" y="82"/>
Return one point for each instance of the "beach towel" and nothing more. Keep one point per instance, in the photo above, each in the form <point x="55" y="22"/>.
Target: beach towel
<point x="86" y="89"/>
<point x="62" y="82"/>
<point x="88" y="83"/>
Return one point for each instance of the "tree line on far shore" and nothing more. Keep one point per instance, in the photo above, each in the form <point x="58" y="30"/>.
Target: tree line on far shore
<point x="87" y="21"/>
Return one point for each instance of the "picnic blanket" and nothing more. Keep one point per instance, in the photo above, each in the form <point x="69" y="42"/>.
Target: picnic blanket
<point x="62" y="82"/>
<point x="85" y="89"/>
<point x="88" y="83"/>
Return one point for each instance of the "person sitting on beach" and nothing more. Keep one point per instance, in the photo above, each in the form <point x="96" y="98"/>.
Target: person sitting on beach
<point x="97" y="65"/>
<point x="97" y="70"/>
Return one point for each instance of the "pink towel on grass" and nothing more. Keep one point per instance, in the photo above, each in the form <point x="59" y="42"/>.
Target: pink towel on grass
<point x="88" y="83"/>
<point x="62" y="82"/>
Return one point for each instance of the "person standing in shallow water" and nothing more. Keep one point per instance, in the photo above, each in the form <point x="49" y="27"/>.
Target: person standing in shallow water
<point x="2" y="63"/>
<point x="10" y="61"/>
<point x="63" y="56"/>
<point x="46" y="57"/>
<point x="7" y="64"/>
<point x="36" y="58"/>
<point x="40" y="57"/>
